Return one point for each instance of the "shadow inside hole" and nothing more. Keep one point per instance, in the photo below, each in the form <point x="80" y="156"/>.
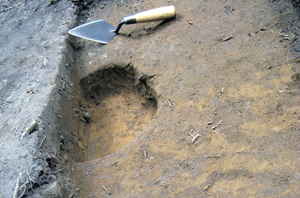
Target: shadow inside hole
<point x="120" y="105"/>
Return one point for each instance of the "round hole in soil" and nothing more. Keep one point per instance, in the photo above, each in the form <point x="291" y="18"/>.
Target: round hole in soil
<point x="120" y="106"/>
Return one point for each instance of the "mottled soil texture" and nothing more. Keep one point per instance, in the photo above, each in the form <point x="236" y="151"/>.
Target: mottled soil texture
<point x="226" y="70"/>
<point x="205" y="105"/>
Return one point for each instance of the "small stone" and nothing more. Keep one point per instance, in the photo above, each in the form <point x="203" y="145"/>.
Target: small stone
<point x="86" y="116"/>
<point x="80" y="145"/>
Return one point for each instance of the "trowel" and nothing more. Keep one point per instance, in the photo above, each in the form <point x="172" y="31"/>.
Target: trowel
<point x="103" y="32"/>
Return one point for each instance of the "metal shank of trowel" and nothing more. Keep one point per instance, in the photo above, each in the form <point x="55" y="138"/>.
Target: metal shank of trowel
<point x="162" y="13"/>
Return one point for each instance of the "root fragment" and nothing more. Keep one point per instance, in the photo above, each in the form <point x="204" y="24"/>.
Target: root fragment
<point x="31" y="128"/>
<point x="17" y="186"/>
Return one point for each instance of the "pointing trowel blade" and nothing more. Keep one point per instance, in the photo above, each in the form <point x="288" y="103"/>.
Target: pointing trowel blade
<point x="99" y="31"/>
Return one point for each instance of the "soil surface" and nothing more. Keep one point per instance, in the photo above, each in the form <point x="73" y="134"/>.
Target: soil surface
<point x="205" y="105"/>
<point x="32" y="51"/>
<point x="226" y="70"/>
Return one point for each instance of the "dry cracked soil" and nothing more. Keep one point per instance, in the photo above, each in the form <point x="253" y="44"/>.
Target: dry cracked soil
<point x="205" y="105"/>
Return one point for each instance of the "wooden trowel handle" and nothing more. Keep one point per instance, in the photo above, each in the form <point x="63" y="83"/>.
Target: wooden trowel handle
<point x="157" y="14"/>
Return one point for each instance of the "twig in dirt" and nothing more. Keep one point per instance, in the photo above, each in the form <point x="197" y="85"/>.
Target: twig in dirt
<point x="214" y="127"/>
<point x="207" y="187"/>
<point x="210" y="122"/>
<point x="219" y="123"/>
<point x="31" y="128"/>
<point x="29" y="177"/>
<point x="17" y="186"/>
<point x="212" y="156"/>
<point x="42" y="142"/>
<point x="30" y="90"/>
<point x="287" y="58"/>
<point x="194" y="137"/>
<point x="169" y="102"/>
<point x="288" y="91"/>
<point x="158" y="179"/>
<point x="35" y="9"/>
<point x="74" y="193"/>
<point x="45" y="62"/>
<point x="24" y="191"/>
<point x="227" y="38"/>
<point x="240" y="151"/>
<point x="106" y="190"/>
<point x="6" y="9"/>
<point x="145" y="154"/>
<point x="28" y="183"/>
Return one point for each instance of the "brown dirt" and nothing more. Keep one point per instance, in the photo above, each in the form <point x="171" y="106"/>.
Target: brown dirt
<point x="119" y="121"/>
<point x="120" y="106"/>
<point x="248" y="83"/>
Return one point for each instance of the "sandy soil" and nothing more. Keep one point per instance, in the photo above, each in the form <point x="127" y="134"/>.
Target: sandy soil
<point x="118" y="110"/>
<point x="206" y="105"/>
<point x="226" y="70"/>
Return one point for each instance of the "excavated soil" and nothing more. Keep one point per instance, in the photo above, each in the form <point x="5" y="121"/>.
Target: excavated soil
<point x="119" y="108"/>
<point x="205" y="105"/>
<point x="224" y="78"/>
